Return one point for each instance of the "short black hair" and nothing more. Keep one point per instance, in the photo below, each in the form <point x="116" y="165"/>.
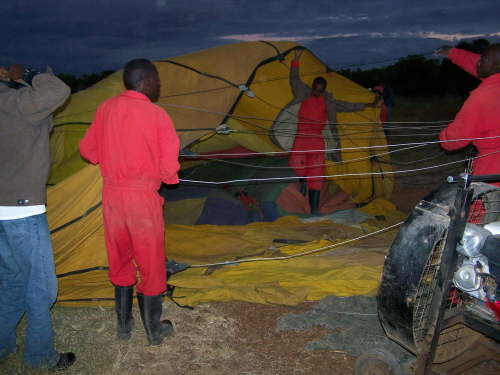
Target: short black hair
<point x="319" y="81"/>
<point x="136" y="71"/>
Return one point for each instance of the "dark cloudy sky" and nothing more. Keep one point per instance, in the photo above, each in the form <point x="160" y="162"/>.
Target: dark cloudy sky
<point x="85" y="36"/>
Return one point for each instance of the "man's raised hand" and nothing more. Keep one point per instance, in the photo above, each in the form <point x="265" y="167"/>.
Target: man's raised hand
<point x="298" y="53"/>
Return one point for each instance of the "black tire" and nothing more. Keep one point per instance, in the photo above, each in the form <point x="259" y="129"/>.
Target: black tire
<point x="423" y="235"/>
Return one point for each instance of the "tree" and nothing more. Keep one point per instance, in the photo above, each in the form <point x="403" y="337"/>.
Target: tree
<point x="416" y="75"/>
<point x="84" y="81"/>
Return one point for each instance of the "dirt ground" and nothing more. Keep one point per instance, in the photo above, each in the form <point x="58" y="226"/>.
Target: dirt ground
<point x="217" y="338"/>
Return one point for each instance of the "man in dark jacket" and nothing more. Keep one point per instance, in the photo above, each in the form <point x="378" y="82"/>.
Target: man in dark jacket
<point x="28" y="283"/>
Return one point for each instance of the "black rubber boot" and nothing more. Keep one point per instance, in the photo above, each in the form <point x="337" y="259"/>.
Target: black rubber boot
<point x="156" y="330"/>
<point x="314" y="201"/>
<point x="65" y="361"/>
<point x="123" y="307"/>
<point x="303" y="186"/>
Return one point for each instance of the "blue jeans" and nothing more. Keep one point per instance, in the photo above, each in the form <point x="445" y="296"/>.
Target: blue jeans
<point x="28" y="285"/>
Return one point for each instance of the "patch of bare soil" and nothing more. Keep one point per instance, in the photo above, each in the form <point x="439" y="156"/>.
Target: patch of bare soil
<point x="273" y="352"/>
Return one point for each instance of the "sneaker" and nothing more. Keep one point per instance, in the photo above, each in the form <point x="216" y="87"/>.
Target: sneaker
<point x="65" y="361"/>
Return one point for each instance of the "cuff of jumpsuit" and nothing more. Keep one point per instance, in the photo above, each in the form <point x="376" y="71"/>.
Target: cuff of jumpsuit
<point x="170" y="180"/>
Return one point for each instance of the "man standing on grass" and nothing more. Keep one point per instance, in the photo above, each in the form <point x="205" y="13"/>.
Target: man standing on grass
<point x="28" y="284"/>
<point x="135" y="144"/>
<point x="479" y="116"/>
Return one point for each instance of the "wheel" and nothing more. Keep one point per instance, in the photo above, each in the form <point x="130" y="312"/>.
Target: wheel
<point x="376" y="362"/>
<point x="409" y="277"/>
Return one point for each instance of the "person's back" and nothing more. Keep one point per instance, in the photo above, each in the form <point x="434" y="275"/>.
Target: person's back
<point x="24" y="138"/>
<point x="137" y="148"/>
<point x="28" y="284"/>
<point x="129" y="138"/>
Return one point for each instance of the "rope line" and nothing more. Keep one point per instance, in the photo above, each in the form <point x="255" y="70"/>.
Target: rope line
<point x="337" y="175"/>
<point x="313" y="251"/>
<point x="352" y="135"/>
<point x="344" y="148"/>
<point x="326" y="164"/>
<point x="198" y="109"/>
<point x="285" y="133"/>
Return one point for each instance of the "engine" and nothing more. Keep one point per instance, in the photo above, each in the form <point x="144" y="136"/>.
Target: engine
<point x="478" y="272"/>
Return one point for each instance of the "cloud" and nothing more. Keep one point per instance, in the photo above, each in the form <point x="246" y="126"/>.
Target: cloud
<point x="277" y="38"/>
<point x="344" y="17"/>
<point x="451" y="37"/>
<point x="84" y="36"/>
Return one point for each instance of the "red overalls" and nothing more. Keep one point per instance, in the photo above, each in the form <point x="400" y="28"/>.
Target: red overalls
<point x="312" y="119"/>
<point x="135" y="144"/>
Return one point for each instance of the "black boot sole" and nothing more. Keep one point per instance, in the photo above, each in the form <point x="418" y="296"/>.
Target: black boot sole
<point x="65" y="361"/>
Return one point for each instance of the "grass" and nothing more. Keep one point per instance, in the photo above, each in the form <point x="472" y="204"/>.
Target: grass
<point x="410" y="187"/>
<point x="423" y="111"/>
<point x="434" y="108"/>
<point x="200" y="342"/>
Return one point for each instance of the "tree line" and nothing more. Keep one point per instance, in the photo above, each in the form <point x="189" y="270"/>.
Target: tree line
<point x="417" y="76"/>
<point x="84" y="81"/>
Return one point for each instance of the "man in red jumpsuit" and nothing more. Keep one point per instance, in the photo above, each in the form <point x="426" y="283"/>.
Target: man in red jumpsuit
<point x="479" y="116"/>
<point x="136" y="146"/>
<point x="317" y="108"/>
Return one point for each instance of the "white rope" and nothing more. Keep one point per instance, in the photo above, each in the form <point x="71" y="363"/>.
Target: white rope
<point x="387" y="125"/>
<point x="350" y="135"/>
<point x="322" y="164"/>
<point x="228" y="114"/>
<point x="344" y="148"/>
<point x="336" y="175"/>
<point x="323" y="248"/>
